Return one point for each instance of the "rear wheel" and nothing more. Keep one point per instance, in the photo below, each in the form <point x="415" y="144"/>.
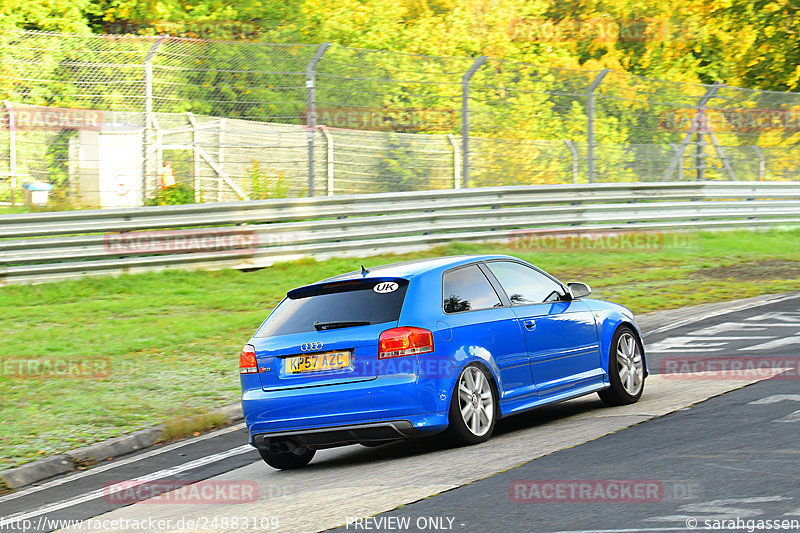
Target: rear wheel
<point x="625" y="369"/>
<point x="298" y="458"/>
<point x="472" y="407"/>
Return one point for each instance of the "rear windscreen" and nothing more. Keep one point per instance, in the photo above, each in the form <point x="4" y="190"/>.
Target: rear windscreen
<point x="337" y="305"/>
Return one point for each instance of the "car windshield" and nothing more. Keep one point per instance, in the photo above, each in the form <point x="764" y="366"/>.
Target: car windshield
<point x="337" y="306"/>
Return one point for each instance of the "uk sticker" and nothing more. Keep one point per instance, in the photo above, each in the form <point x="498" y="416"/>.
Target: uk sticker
<point x="385" y="287"/>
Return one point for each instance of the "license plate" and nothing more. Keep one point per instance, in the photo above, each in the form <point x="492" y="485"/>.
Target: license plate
<point x="317" y="362"/>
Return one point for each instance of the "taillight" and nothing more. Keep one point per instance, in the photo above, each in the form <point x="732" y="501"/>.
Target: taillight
<point x="397" y="342"/>
<point x="247" y="360"/>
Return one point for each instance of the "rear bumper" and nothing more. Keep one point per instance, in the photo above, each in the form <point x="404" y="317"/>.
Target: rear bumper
<point x="387" y="408"/>
<point x="338" y="435"/>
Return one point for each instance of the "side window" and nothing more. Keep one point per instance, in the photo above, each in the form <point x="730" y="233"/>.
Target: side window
<point x="467" y="289"/>
<point x="525" y="285"/>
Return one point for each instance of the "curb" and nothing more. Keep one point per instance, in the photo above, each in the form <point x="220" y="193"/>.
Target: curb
<point x="36" y="471"/>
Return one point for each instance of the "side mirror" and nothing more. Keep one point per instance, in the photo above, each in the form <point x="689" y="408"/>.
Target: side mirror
<point x="578" y="290"/>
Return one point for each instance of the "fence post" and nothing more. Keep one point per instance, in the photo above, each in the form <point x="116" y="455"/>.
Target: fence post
<point x="574" y="153"/>
<point x="465" y="117"/>
<point x="159" y="151"/>
<point x="700" y="157"/>
<point x="456" y="161"/>
<point x="680" y="166"/>
<point x="12" y="151"/>
<point x="148" y="108"/>
<point x="590" y="121"/>
<point x="328" y="157"/>
<point x="221" y="156"/>
<point x="696" y="126"/>
<point x="726" y="163"/>
<point x="762" y="163"/>
<point x="311" y="110"/>
<point x="195" y="156"/>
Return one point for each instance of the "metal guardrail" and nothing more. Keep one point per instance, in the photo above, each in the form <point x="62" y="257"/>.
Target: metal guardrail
<point x="62" y="245"/>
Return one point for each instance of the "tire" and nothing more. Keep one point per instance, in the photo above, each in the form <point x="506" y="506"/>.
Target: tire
<point x="298" y="458"/>
<point x="625" y="369"/>
<point x="473" y="407"/>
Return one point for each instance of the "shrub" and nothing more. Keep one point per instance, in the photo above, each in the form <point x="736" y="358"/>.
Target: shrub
<point x="178" y="194"/>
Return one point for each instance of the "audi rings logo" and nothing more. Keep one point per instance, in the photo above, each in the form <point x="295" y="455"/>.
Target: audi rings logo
<point x="310" y="346"/>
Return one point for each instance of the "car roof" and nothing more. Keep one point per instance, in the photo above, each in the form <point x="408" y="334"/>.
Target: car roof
<point x="409" y="269"/>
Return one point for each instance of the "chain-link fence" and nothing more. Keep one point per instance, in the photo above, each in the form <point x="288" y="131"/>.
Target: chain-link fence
<point x="103" y="116"/>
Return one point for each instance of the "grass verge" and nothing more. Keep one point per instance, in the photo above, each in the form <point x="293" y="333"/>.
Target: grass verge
<point x="181" y="428"/>
<point x="165" y="346"/>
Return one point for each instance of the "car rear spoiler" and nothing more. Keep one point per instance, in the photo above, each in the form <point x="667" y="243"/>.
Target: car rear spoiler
<point x="341" y="286"/>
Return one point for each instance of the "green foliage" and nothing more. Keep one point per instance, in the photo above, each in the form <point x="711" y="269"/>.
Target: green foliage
<point x="399" y="168"/>
<point x="264" y="185"/>
<point x="768" y="37"/>
<point x="48" y="15"/>
<point x="59" y="199"/>
<point x="57" y="155"/>
<point x="178" y="194"/>
<point x="755" y="44"/>
<point x="557" y="48"/>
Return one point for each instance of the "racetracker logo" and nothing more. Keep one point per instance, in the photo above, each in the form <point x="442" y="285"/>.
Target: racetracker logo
<point x="602" y="30"/>
<point x="426" y="366"/>
<point x="385" y="118"/>
<point x="598" y="241"/>
<point x="39" y="118"/>
<point x="586" y="491"/>
<point x="209" y="29"/>
<point x="182" y="492"/>
<point x="724" y="368"/>
<point x="55" y="367"/>
<point x="182" y="241"/>
<point x="737" y="120"/>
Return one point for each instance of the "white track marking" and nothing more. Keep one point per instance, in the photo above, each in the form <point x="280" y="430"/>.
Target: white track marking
<point x="776" y="343"/>
<point x="791" y="418"/>
<point x="720" y="509"/>
<point x="781" y="316"/>
<point x="725" y="311"/>
<point x="738" y="327"/>
<point x="687" y="343"/>
<point x="775" y="398"/>
<point x="121" y="462"/>
<point x="161" y="474"/>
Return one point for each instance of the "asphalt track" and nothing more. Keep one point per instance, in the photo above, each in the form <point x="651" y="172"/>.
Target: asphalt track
<point x="733" y="457"/>
<point x="725" y="448"/>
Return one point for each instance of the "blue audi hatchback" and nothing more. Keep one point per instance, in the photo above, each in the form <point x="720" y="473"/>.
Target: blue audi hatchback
<point x="447" y="345"/>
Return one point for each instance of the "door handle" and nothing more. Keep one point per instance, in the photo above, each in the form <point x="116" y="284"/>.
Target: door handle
<point x="530" y="324"/>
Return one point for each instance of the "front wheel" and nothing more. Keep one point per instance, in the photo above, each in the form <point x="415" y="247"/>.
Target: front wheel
<point x="625" y="369"/>
<point x="298" y="458"/>
<point x="472" y="407"/>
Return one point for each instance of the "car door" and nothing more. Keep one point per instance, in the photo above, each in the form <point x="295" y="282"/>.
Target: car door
<point x="482" y="326"/>
<point x="560" y="334"/>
